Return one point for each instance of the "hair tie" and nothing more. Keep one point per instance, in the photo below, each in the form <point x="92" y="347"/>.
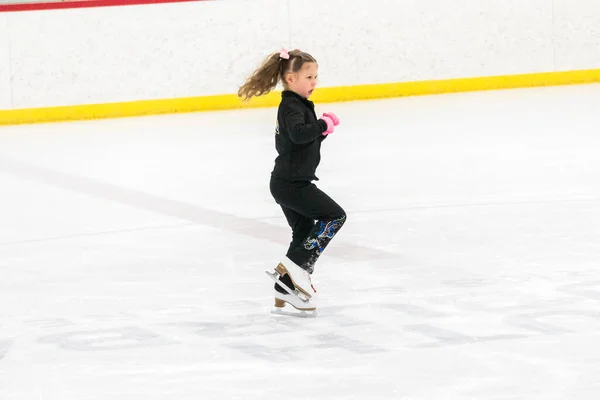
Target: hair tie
<point x="284" y="54"/>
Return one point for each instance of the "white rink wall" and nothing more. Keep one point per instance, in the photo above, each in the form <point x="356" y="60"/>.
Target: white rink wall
<point x="5" y="101"/>
<point x="403" y="40"/>
<point x="111" y="54"/>
<point x="577" y="34"/>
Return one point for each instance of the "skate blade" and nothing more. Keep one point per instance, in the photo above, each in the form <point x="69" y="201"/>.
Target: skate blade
<point x="298" y="294"/>
<point x="280" y="303"/>
<point x="297" y="313"/>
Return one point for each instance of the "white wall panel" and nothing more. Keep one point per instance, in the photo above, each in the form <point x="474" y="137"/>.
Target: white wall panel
<point x="100" y="55"/>
<point x="407" y="40"/>
<point x="577" y="34"/>
<point x="5" y="89"/>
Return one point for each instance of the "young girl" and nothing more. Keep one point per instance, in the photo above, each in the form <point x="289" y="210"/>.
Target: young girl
<point x="313" y="216"/>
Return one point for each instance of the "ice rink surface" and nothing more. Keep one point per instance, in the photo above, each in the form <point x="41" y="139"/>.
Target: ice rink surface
<point x="133" y="251"/>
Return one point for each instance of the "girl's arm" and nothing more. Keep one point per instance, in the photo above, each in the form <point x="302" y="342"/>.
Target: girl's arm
<point x="300" y="131"/>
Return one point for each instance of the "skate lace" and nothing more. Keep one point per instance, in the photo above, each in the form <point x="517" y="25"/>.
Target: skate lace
<point x="310" y="281"/>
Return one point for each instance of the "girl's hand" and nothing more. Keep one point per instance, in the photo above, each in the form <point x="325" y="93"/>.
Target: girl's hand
<point x="330" y="124"/>
<point x="334" y="118"/>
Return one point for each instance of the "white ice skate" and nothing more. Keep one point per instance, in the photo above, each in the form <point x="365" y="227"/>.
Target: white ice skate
<point x="299" y="297"/>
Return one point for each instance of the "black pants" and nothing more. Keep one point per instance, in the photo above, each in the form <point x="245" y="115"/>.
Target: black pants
<point x="314" y="217"/>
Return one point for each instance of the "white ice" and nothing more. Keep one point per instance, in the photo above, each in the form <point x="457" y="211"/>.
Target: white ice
<point x="133" y="251"/>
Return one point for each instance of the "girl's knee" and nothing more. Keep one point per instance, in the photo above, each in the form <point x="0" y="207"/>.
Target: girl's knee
<point x="339" y="222"/>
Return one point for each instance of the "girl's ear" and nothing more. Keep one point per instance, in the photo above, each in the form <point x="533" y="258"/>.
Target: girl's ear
<point x="289" y="78"/>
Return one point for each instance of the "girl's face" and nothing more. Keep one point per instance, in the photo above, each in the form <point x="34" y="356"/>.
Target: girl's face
<point x="304" y="81"/>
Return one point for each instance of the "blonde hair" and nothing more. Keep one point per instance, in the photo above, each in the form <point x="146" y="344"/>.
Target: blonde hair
<point x="272" y="70"/>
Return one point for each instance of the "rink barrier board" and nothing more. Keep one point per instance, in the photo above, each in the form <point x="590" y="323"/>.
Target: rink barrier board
<point x="17" y="7"/>
<point x="322" y="95"/>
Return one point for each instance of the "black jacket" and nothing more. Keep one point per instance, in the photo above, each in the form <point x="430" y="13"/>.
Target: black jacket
<point x="298" y="138"/>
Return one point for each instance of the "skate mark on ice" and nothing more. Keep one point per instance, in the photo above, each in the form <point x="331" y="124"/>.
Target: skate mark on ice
<point x="5" y="346"/>
<point x="469" y="282"/>
<point x="242" y="305"/>
<point x="341" y="315"/>
<point x="185" y="211"/>
<point x="589" y="290"/>
<point x="412" y="310"/>
<point x="266" y="353"/>
<point x="531" y="320"/>
<point x="383" y="290"/>
<point x="507" y="203"/>
<point x="335" y="341"/>
<point x="327" y="341"/>
<point x="49" y="322"/>
<point x="106" y="339"/>
<point x="206" y="329"/>
<point x="445" y="337"/>
<point x="97" y="233"/>
<point x="251" y="327"/>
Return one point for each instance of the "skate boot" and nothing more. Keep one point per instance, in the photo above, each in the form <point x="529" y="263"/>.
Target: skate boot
<point x="300" y="277"/>
<point x="282" y="297"/>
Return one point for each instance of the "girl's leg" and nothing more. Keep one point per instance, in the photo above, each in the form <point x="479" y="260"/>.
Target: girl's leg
<point x="301" y="227"/>
<point x="304" y="199"/>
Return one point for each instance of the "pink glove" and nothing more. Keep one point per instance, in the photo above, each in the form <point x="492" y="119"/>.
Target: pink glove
<point x="330" y="125"/>
<point x="334" y="118"/>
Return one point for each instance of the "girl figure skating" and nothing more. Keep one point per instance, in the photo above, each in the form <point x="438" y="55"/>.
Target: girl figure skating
<point x="312" y="215"/>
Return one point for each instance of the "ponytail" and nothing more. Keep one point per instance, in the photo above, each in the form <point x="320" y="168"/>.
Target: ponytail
<point x="264" y="79"/>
